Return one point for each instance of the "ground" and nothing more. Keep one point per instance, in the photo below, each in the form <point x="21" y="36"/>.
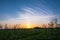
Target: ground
<point x="30" y="34"/>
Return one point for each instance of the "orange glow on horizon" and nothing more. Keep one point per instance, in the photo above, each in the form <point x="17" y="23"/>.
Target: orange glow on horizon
<point x="30" y="25"/>
<point x="25" y="25"/>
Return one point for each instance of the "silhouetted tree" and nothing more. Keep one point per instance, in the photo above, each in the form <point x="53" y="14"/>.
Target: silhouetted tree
<point x="6" y="27"/>
<point x="55" y="22"/>
<point x="15" y="26"/>
<point x="58" y="25"/>
<point x="44" y="26"/>
<point x="37" y="28"/>
<point x="0" y="26"/>
<point x="18" y="26"/>
<point x="51" y="25"/>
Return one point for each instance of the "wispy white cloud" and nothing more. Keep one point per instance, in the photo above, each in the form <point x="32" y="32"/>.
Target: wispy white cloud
<point x="32" y="15"/>
<point x="35" y="16"/>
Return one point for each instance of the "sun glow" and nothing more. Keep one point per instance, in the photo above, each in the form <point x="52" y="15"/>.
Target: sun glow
<point x="28" y="26"/>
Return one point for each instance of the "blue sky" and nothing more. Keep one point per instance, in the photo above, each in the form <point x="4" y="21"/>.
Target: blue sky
<point x="35" y="11"/>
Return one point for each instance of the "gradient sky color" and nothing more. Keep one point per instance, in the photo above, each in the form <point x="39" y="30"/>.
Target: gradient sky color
<point x="29" y="11"/>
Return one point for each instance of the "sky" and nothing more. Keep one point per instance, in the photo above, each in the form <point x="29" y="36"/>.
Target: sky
<point x="29" y="11"/>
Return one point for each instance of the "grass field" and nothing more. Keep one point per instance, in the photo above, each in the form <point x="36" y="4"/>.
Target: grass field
<point x="30" y="34"/>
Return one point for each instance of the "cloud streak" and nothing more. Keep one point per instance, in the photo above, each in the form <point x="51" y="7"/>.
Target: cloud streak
<point x="32" y="15"/>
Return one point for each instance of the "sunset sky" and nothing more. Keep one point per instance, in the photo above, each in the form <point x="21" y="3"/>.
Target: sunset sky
<point x="29" y="12"/>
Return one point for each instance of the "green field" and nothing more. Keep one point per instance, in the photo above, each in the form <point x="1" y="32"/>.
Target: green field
<point x="30" y="34"/>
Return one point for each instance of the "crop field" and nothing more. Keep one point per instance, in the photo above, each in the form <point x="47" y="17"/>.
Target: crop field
<point x="30" y="34"/>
